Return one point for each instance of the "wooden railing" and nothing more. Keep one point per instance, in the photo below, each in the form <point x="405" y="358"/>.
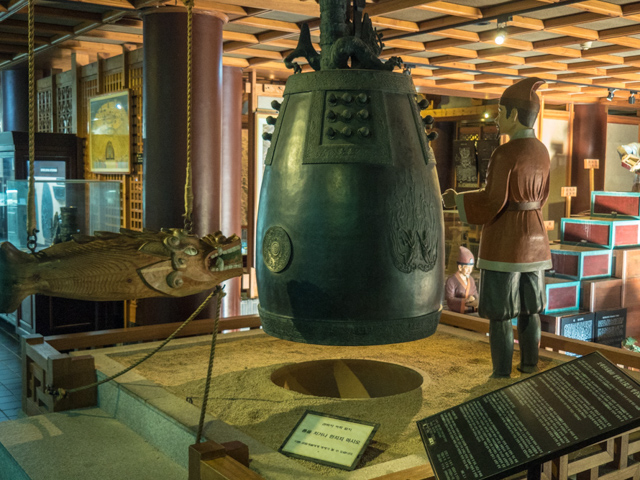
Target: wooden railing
<point x="556" y="343"/>
<point x="149" y="333"/>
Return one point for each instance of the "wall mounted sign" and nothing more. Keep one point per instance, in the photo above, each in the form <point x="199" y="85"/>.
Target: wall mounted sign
<point x="109" y="139"/>
<point x="329" y="440"/>
<point x="530" y="422"/>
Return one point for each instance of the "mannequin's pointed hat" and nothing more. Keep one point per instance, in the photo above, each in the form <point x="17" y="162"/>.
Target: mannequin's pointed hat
<point x="523" y="94"/>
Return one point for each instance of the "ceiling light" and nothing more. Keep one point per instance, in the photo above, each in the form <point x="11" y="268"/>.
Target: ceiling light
<point x="586" y="45"/>
<point x="611" y="92"/>
<point x="632" y="98"/>
<point x="501" y="32"/>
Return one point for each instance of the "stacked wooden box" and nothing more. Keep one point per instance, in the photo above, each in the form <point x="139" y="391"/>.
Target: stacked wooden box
<point x="602" y="253"/>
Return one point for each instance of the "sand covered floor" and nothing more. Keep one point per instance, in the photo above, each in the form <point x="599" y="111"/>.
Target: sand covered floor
<point x="455" y="365"/>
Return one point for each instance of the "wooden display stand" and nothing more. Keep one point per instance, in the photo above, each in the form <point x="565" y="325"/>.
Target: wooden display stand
<point x="580" y="263"/>
<point x="214" y="461"/>
<point x="602" y="294"/>
<point x="627" y="263"/>
<point x="43" y="366"/>
<point x="562" y="295"/>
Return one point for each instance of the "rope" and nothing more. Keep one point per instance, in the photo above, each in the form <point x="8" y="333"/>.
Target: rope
<point x="31" y="204"/>
<point x="209" y="369"/>
<point x="62" y="393"/>
<point x="188" y="189"/>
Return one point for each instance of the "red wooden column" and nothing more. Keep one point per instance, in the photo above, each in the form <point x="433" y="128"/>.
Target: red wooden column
<point x="589" y="141"/>
<point x="231" y="174"/>
<point x="207" y="123"/>
<point x="164" y="132"/>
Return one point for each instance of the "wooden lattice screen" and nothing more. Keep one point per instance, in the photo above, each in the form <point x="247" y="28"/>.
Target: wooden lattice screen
<point x="63" y="107"/>
<point x="64" y="102"/>
<point x="45" y="105"/>
<point x="134" y="186"/>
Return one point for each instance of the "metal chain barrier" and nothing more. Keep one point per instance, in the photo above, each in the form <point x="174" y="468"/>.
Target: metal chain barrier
<point x="207" y="384"/>
<point x="61" y="393"/>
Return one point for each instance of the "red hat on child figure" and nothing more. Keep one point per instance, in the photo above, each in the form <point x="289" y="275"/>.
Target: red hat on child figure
<point x="465" y="257"/>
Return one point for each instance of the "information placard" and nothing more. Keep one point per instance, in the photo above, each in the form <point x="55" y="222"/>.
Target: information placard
<point x="329" y="440"/>
<point x="532" y="421"/>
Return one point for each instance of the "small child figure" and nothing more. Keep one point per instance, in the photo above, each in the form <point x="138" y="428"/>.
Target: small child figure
<point x="460" y="290"/>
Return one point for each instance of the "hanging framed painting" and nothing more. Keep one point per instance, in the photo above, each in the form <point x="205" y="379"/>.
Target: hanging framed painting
<point x="109" y="133"/>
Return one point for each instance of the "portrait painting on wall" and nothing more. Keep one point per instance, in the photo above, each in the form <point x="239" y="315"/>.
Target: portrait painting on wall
<point x="109" y="135"/>
<point x="464" y="154"/>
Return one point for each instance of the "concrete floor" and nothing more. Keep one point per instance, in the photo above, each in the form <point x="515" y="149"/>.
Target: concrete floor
<point x="80" y="444"/>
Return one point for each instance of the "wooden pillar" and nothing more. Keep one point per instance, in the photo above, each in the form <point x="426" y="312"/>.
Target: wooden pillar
<point x="231" y="175"/>
<point x="165" y="133"/>
<point x="443" y="151"/>
<point x="207" y="122"/>
<point x="252" y="211"/>
<point x="15" y="100"/>
<point x="589" y="141"/>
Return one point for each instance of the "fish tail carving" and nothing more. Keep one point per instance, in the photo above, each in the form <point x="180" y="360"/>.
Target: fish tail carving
<point x="12" y="291"/>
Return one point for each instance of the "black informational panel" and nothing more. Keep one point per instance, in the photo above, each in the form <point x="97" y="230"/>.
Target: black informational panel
<point x="532" y="421"/>
<point x="610" y="327"/>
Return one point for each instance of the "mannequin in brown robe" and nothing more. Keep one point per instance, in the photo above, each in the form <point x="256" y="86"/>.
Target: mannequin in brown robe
<point x="460" y="291"/>
<point x="514" y="248"/>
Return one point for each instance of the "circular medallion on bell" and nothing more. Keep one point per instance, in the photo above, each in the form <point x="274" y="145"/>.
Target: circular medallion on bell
<point x="276" y="250"/>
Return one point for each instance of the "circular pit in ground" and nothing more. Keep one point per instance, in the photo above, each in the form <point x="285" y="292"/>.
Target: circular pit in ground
<point x="347" y="378"/>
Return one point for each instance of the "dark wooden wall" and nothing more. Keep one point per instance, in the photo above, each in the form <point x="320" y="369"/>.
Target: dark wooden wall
<point x="589" y="141"/>
<point x="443" y="150"/>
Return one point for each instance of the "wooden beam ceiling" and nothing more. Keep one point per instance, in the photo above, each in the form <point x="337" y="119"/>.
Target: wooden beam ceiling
<point x="451" y="45"/>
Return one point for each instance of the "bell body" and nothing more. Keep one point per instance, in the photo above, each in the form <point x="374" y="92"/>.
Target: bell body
<point x="350" y="232"/>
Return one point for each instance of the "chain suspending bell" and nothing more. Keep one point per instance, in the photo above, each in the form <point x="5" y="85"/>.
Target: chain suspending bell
<point x="350" y="230"/>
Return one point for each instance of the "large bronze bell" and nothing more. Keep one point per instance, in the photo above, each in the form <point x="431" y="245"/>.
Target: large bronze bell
<point x="350" y="229"/>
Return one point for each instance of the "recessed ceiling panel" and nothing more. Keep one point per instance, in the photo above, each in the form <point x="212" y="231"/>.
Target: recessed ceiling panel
<point x="412" y="15"/>
<point x="608" y="23"/>
<point x="286" y="17"/>
<point x="552" y="13"/>
<point x="536" y="36"/>
<point x="424" y="37"/>
<point x="234" y="27"/>
<point x="527" y="54"/>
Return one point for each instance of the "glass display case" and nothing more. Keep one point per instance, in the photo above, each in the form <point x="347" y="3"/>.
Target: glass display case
<point x="63" y="208"/>
<point x="458" y="234"/>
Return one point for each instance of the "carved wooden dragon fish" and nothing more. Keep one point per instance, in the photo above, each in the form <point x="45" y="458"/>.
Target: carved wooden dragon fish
<point x="119" y="266"/>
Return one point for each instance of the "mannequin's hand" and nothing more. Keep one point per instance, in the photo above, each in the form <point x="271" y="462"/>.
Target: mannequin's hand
<point x="449" y="198"/>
